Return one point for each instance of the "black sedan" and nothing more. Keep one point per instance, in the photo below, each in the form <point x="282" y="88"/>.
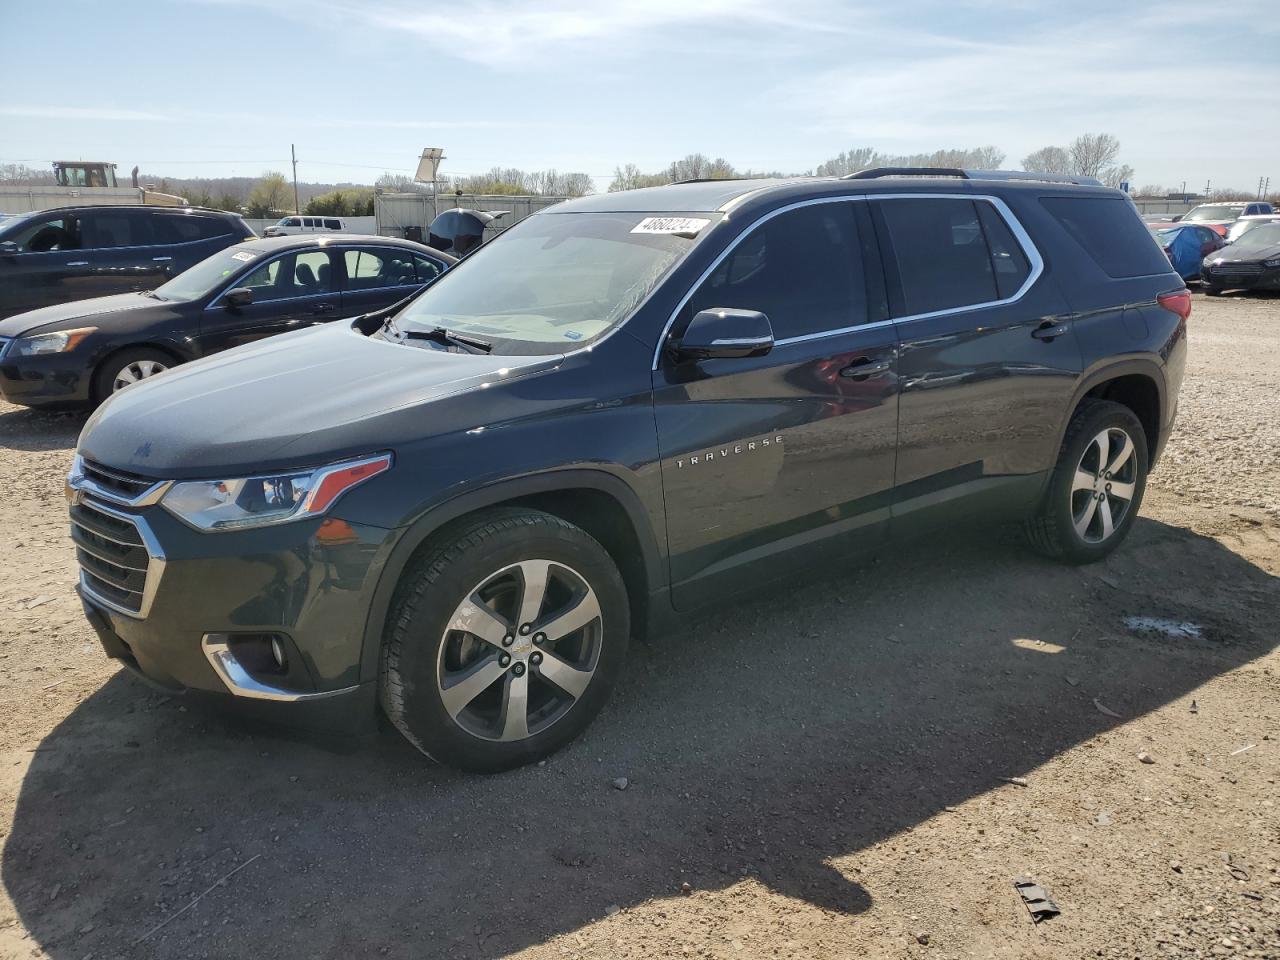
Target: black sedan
<point x="1250" y="263"/>
<point x="80" y="353"/>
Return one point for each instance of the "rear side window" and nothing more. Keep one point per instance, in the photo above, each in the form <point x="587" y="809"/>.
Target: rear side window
<point x="1111" y="233"/>
<point x="1007" y="255"/>
<point x="428" y="269"/>
<point x="802" y="269"/>
<point x="186" y="229"/>
<point x="940" y="252"/>
<point x="105" y="229"/>
<point x="333" y="224"/>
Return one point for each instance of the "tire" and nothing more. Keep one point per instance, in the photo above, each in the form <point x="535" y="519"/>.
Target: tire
<point x="1073" y="524"/>
<point x="455" y="694"/>
<point x="1211" y="289"/>
<point x="144" y="361"/>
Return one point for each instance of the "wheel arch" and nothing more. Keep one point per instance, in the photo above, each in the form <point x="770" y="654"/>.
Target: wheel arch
<point x="601" y="504"/>
<point x="1136" y="384"/>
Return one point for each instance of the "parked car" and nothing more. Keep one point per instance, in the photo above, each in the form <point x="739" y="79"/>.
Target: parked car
<point x="613" y="413"/>
<point x="72" y="253"/>
<point x="1245" y="224"/>
<point x="1220" y="216"/>
<point x="82" y="352"/>
<point x="1250" y="263"/>
<point x="1186" y="245"/>
<point x="292" y="226"/>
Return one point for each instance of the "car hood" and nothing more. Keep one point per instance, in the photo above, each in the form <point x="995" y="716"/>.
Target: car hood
<point x="300" y="399"/>
<point x="1232" y="253"/>
<point x="66" y="313"/>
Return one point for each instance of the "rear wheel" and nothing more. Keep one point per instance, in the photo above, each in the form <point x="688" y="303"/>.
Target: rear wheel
<point x="1097" y="485"/>
<point x="128" y="367"/>
<point x="504" y="641"/>
<point x="1211" y="289"/>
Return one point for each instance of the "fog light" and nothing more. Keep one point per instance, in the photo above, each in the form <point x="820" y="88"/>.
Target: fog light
<point x="277" y="651"/>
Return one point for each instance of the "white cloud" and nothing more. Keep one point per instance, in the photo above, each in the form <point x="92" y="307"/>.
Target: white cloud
<point x="83" y="113"/>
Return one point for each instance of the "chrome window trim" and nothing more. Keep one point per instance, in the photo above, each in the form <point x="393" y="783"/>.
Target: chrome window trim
<point x="155" y="569"/>
<point x="1020" y="234"/>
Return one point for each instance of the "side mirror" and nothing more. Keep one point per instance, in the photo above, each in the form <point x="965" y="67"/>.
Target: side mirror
<point x="1177" y="218"/>
<point x="725" y="333"/>
<point x="8" y="248"/>
<point x="239" y="297"/>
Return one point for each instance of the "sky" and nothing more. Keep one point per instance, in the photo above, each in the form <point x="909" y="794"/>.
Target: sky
<point x="223" y="87"/>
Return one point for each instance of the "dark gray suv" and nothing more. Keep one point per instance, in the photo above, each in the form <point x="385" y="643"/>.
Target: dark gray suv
<point x="73" y="253"/>
<point x="624" y="408"/>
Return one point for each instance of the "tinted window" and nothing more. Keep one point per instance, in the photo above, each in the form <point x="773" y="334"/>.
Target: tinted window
<point x="46" y="234"/>
<point x="802" y="269"/>
<point x="427" y="268"/>
<point x="333" y="224"/>
<point x="940" y="252"/>
<point x="1007" y="256"/>
<point x="104" y="229"/>
<point x="291" y="222"/>
<point x="369" y="269"/>
<point x="187" y="228"/>
<point x="1112" y="234"/>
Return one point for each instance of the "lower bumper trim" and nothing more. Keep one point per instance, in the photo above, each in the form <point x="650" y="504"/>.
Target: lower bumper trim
<point x="241" y="683"/>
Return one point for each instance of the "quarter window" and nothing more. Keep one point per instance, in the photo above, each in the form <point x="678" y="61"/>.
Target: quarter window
<point x="333" y="224"/>
<point x="1007" y="255"/>
<point x="802" y="269"/>
<point x="940" y="253"/>
<point x="1111" y="233"/>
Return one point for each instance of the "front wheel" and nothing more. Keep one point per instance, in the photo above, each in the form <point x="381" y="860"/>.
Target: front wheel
<point x="1096" y="487"/>
<point x="504" y="640"/>
<point x="128" y="367"/>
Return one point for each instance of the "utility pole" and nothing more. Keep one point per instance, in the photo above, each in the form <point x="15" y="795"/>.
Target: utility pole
<point x="1206" y="190"/>
<point x="1259" y="196"/>
<point x="294" y="153"/>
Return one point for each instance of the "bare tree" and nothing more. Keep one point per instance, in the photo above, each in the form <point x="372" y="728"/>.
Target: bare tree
<point x="698" y="166"/>
<point x="1152" y="190"/>
<point x="272" y="195"/>
<point x="1117" y="175"/>
<point x="1092" y="153"/>
<point x="850" y="161"/>
<point x="21" y="173"/>
<point x="630" y="177"/>
<point x="1048" y="160"/>
<point x="399" y="183"/>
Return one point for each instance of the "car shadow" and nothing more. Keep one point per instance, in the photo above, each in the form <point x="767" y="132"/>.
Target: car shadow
<point x="34" y="430"/>
<point x="770" y="739"/>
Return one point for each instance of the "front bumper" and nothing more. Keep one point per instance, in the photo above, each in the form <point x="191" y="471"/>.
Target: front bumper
<point x="55" y="379"/>
<point x="180" y="603"/>
<point x="1240" y="276"/>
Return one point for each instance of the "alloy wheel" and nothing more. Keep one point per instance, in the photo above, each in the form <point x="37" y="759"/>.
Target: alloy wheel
<point x="1104" y="485"/>
<point x="520" y="650"/>
<point x="131" y="373"/>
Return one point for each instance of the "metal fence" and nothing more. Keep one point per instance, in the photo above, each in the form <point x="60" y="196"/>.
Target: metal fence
<point x="396" y="212"/>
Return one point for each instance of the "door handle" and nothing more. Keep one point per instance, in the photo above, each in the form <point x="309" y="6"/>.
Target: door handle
<point x="161" y="259"/>
<point x="78" y="263"/>
<point x="1048" y="330"/>
<point x="864" y="368"/>
<point x="323" y="308"/>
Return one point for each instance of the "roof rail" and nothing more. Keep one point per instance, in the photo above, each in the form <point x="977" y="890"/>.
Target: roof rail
<point x="876" y="173"/>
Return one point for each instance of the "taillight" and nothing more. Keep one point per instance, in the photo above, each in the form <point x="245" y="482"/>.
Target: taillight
<point x="1178" y="302"/>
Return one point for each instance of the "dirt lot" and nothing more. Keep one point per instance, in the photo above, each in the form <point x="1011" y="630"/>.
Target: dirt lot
<point x="827" y="767"/>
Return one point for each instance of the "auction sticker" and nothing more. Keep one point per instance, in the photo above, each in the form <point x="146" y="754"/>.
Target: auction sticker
<point x="243" y="255"/>
<point x="683" y="225"/>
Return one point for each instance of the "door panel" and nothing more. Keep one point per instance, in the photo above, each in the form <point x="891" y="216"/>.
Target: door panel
<point x="119" y="252"/>
<point x="291" y="292"/>
<point x="793" y="450"/>
<point x="40" y="273"/>
<point x="983" y="385"/>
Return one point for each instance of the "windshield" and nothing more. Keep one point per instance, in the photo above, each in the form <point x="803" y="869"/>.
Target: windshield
<point x="207" y="275"/>
<point x="1259" y="238"/>
<point x="555" y="282"/>
<point x="1241" y="227"/>
<point x="1215" y="212"/>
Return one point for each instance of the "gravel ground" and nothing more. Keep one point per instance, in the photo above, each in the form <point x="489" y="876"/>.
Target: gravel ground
<point x="855" y="767"/>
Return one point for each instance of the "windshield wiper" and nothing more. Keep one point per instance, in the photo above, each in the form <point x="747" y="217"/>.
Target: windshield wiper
<point x="442" y="335"/>
<point x="152" y="294"/>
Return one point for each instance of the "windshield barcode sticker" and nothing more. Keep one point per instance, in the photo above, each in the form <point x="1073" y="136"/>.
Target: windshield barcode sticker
<point x="244" y="255"/>
<point x="689" y="225"/>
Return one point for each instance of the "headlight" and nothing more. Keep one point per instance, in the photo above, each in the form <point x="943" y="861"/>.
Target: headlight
<point x="215" y="505"/>
<point x="43" y="343"/>
<point x="1271" y="263"/>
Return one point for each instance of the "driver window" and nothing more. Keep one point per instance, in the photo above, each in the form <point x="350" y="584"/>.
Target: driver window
<point x="801" y="269"/>
<point x="265" y="281"/>
<point x="48" y="235"/>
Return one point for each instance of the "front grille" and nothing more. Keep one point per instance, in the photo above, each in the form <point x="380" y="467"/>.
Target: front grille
<point x="127" y="485"/>
<point x="114" y="560"/>
<point x="1236" y="271"/>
